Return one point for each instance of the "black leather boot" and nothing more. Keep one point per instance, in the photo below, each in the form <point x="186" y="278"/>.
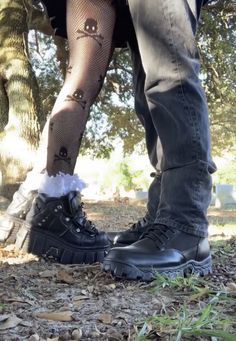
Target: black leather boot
<point x="130" y="236"/>
<point x="162" y="250"/>
<point x="58" y="228"/>
<point x="13" y="218"/>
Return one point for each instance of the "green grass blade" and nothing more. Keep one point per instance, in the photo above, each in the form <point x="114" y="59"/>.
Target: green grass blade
<point x="217" y="333"/>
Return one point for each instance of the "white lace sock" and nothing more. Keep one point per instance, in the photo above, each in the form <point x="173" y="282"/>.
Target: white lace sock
<point x="61" y="184"/>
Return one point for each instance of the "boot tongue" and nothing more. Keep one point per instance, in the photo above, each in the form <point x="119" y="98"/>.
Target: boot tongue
<point x="160" y="234"/>
<point x="73" y="202"/>
<point x="76" y="211"/>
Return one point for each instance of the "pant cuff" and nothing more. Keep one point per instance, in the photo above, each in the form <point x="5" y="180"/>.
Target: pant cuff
<point x="199" y="231"/>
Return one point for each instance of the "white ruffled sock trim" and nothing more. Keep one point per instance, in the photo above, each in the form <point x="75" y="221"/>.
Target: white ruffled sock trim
<point x="61" y="184"/>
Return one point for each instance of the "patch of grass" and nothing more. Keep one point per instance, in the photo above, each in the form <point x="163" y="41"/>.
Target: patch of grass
<point x="228" y="248"/>
<point x="186" y="322"/>
<point x="223" y="252"/>
<point x="199" y="307"/>
<point x="191" y="289"/>
<point x="223" y="224"/>
<point x="182" y="284"/>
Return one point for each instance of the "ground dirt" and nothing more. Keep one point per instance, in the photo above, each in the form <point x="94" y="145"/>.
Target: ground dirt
<point x="41" y="300"/>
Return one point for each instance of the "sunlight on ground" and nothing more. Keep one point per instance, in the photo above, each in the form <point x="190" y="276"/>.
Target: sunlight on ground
<point x="12" y="256"/>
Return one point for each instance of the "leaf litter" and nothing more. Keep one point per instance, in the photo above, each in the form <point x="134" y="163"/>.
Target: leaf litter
<point x="41" y="300"/>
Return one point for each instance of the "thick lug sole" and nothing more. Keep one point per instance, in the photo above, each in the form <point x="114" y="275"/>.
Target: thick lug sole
<point x="131" y="272"/>
<point x="46" y="245"/>
<point x="9" y="227"/>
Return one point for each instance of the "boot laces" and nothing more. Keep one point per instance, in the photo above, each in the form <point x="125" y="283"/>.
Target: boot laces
<point x="139" y="225"/>
<point x="160" y="234"/>
<point x="80" y="219"/>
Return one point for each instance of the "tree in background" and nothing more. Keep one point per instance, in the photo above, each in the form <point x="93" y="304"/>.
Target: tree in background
<point x="20" y="105"/>
<point x="112" y="116"/>
<point x="217" y="41"/>
<point x="21" y="114"/>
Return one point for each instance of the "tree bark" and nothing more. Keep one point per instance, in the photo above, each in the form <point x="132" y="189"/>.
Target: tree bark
<point x="20" y="107"/>
<point x="40" y="22"/>
<point x="62" y="54"/>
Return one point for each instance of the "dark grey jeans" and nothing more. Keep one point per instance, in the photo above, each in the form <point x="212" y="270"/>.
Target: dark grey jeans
<point x="171" y="104"/>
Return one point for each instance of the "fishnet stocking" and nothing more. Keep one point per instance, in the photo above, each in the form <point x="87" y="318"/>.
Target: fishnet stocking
<point x="90" y="26"/>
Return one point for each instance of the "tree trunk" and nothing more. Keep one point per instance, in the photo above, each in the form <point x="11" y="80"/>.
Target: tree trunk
<point x="62" y="54"/>
<point x="20" y="108"/>
<point x="40" y="22"/>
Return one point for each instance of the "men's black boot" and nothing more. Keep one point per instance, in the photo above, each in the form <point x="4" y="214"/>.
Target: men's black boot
<point x="131" y="235"/>
<point x="162" y="250"/>
<point x="58" y="228"/>
<point x="13" y="218"/>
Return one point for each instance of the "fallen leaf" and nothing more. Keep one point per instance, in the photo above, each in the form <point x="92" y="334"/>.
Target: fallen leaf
<point x="112" y="286"/>
<point x="65" y="277"/>
<point x="55" y="315"/>
<point x="76" y="334"/>
<point x="8" y="322"/>
<point x="81" y="298"/>
<point x="18" y="300"/>
<point x="95" y="334"/>
<point x="47" y="274"/>
<point x="77" y="303"/>
<point x="78" y="300"/>
<point x="26" y="323"/>
<point x="34" y="337"/>
<point x="3" y="317"/>
<point x="90" y="289"/>
<point x="105" y="318"/>
<point x="231" y="287"/>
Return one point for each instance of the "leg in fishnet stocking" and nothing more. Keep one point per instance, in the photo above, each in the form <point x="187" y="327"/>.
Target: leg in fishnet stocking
<point x="90" y="26"/>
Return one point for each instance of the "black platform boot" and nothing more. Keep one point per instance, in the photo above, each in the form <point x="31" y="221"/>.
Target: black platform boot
<point x="131" y="235"/>
<point x="58" y="228"/>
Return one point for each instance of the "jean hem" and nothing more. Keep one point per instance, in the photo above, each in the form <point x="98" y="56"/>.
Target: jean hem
<point x="194" y="230"/>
